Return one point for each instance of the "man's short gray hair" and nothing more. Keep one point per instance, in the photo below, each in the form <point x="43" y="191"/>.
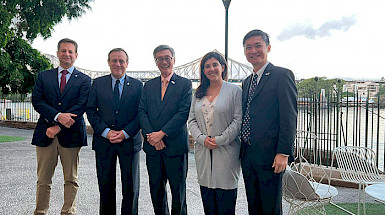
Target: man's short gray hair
<point x="163" y="47"/>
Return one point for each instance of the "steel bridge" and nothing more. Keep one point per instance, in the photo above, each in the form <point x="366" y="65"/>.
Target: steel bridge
<point x="237" y="71"/>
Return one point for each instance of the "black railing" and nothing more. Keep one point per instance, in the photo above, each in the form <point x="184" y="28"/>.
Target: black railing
<point x="338" y="121"/>
<point x="334" y="119"/>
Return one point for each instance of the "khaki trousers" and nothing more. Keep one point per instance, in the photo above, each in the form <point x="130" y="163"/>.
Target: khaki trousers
<point x="47" y="158"/>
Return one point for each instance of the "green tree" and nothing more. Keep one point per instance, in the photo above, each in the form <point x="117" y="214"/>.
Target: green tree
<point x="21" y="21"/>
<point x="348" y="94"/>
<point x="312" y="86"/>
<point x="381" y="91"/>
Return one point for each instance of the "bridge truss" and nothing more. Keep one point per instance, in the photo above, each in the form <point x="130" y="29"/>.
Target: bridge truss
<point x="237" y="71"/>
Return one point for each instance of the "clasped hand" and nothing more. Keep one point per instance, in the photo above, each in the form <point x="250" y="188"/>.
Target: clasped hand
<point x="115" y="136"/>
<point x="210" y="143"/>
<point x="156" y="139"/>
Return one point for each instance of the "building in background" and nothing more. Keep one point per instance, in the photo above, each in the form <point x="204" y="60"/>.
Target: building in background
<point x="364" y="89"/>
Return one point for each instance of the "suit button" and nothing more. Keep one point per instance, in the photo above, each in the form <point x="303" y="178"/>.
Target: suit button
<point x="117" y="111"/>
<point x="59" y="103"/>
<point x="112" y="125"/>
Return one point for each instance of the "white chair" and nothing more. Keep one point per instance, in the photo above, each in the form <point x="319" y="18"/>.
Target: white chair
<point x="302" y="187"/>
<point x="357" y="164"/>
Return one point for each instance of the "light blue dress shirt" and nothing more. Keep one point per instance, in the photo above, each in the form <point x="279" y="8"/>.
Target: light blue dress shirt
<point x="121" y="84"/>
<point x="59" y="74"/>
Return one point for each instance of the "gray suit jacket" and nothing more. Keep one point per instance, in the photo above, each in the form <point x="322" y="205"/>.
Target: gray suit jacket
<point x="227" y="119"/>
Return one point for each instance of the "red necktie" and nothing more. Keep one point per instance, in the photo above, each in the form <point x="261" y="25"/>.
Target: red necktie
<point x="63" y="80"/>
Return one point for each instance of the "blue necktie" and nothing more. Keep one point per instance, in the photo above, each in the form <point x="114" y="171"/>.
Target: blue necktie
<point x="245" y="131"/>
<point x="116" y="92"/>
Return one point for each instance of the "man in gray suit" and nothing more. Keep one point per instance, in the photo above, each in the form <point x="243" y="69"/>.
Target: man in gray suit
<point x="269" y="102"/>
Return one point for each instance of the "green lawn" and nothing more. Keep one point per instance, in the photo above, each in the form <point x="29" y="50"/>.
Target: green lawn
<point x="10" y="138"/>
<point x="371" y="209"/>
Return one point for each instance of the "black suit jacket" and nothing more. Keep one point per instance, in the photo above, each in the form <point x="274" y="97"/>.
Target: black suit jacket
<point x="169" y="115"/>
<point x="102" y="113"/>
<point x="48" y="102"/>
<point x="273" y="115"/>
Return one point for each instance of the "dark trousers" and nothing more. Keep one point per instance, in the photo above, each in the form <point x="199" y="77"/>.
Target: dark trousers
<point x="218" y="201"/>
<point x="161" y="168"/>
<point x="263" y="187"/>
<point x="106" y="172"/>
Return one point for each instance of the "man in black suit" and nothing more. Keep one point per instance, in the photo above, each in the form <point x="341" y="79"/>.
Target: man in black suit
<point x="60" y="97"/>
<point x="163" y="112"/>
<point x="268" y="128"/>
<point x="112" y="110"/>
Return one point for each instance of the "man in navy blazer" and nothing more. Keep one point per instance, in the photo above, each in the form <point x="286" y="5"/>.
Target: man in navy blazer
<point x="163" y="112"/>
<point x="112" y="110"/>
<point x="60" y="97"/>
<point x="268" y="128"/>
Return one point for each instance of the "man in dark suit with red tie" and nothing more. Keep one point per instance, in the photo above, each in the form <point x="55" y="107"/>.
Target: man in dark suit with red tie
<point x="60" y="97"/>
<point x="163" y="112"/>
<point x="112" y="110"/>
<point x="269" y="124"/>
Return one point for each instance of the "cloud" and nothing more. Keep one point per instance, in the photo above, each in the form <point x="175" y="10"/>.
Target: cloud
<point x="324" y="30"/>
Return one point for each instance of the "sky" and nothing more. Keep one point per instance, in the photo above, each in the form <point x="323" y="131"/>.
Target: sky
<point x="329" y="38"/>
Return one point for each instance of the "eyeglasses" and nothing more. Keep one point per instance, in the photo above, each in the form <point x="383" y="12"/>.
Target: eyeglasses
<point x="161" y="59"/>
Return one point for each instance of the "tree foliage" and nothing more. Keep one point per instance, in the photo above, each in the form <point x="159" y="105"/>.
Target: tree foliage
<point x="21" y="21"/>
<point x="312" y="86"/>
<point x="381" y="93"/>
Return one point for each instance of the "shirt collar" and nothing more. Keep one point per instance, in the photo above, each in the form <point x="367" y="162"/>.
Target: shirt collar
<point x="121" y="80"/>
<point x="261" y="70"/>
<point x="168" y="78"/>
<point x="70" y="70"/>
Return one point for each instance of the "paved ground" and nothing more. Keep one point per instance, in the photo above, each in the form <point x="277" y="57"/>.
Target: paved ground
<point x="18" y="182"/>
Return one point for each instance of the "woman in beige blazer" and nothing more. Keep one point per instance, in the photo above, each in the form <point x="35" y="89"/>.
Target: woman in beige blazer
<point x="215" y="122"/>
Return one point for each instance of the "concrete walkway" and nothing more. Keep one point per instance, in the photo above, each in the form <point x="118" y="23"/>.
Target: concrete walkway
<point x="18" y="182"/>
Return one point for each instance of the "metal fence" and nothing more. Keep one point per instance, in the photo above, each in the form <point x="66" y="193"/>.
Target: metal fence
<point x="334" y="120"/>
<point x="338" y="121"/>
<point x="17" y="108"/>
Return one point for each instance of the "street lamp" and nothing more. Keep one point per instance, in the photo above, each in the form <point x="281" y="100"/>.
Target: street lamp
<point x="226" y="3"/>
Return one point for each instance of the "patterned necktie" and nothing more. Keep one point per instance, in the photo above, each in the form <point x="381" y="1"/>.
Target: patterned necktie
<point x="116" y="92"/>
<point x="245" y="132"/>
<point x="63" y="80"/>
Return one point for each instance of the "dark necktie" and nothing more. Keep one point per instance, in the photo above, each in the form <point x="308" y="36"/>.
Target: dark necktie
<point x="245" y="132"/>
<point x="116" y="92"/>
<point x="63" y="80"/>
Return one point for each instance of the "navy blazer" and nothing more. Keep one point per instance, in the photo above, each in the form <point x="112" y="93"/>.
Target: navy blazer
<point x="102" y="113"/>
<point x="48" y="102"/>
<point x="169" y="115"/>
<point x="273" y="115"/>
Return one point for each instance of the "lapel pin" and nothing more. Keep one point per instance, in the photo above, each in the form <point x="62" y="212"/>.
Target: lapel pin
<point x="76" y="76"/>
<point x="172" y="82"/>
<point x="128" y="83"/>
<point x="267" y="74"/>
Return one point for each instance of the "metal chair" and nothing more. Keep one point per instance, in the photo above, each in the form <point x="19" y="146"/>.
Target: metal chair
<point x="302" y="187"/>
<point x="357" y="164"/>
